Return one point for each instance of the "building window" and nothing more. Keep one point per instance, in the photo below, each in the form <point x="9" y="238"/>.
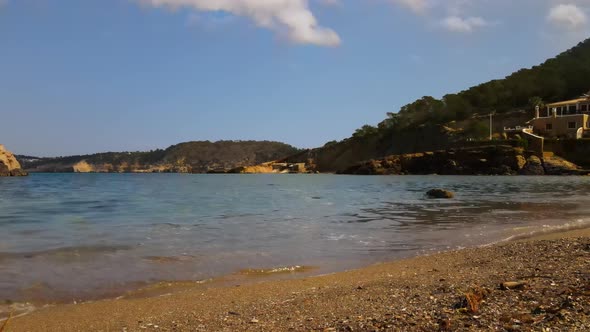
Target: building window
<point x="571" y="125"/>
<point x="584" y="108"/>
<point x="572" y="109"/>
<point x="548" y="126"/>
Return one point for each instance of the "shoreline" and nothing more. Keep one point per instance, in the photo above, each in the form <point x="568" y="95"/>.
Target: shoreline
<point x="582" y="173"/>
<point x="418" y="293"/>
<point x="249" y="275"/>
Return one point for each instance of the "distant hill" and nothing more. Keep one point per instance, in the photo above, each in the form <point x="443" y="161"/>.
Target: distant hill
<point x="430" y="123"/>
<point x="196" y="157"/>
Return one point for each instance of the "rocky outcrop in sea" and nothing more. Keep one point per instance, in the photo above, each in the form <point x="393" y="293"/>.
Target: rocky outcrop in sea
<point x="9" y="166"/>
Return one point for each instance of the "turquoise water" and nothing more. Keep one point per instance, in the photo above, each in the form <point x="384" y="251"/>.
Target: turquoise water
<point x="80" y="235"/>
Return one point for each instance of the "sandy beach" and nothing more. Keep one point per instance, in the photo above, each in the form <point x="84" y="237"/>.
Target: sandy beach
<point x="548" y="290"/>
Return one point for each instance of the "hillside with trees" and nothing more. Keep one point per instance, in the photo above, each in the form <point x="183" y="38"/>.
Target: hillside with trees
<point x="196" y="157"/>
<point x="430" y="123"/>
<point x="564" y="77"/>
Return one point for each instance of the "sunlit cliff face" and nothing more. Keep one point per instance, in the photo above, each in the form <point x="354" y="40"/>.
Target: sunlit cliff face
<point x="8" y="159"/>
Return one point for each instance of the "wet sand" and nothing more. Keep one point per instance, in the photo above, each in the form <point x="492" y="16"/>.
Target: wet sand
<point x="454" y="291"/>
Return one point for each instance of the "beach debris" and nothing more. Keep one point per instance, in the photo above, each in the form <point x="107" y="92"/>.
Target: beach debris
<point x="439" y="193"/>
<point x="513" y="285"/>
<point x="471" y="300"/>
<point x="445" y="323"/>
<point x="254" y="321"/>
<point x="233" y="313"/>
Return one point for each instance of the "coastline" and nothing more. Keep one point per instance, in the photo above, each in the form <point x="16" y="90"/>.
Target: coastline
<point x="420" y="293"/>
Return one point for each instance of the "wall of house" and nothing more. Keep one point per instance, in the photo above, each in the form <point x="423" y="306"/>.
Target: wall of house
<point x="560" y="125"/>
<point x="536" y="143"/>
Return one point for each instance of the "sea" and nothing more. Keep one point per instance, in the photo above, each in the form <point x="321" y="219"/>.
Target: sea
<point x="75" y="237"/>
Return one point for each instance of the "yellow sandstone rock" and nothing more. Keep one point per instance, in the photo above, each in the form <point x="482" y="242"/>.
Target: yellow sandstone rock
<point x="9" y="166"/>
<point x="8" y="159"/>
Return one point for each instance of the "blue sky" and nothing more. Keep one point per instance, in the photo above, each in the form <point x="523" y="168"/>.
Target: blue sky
<point x="83" y="76"/>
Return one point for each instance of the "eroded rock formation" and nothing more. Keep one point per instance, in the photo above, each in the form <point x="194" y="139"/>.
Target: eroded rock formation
<point x="9" y="166"/>
<point x="484" y="160"/>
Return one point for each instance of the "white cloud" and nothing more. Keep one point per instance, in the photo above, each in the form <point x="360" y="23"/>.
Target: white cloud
<point x="290" y="17"/>
<point x="418" y="6"/>
<point x="453" y="15"/>
<point x="460" y="24"/>
<point x="567" y="16"/>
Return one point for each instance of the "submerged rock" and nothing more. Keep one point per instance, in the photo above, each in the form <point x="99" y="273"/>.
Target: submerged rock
<point x="9" y="166"/>
<point x="440" y="194"/>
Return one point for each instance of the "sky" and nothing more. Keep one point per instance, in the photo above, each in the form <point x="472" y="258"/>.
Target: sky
<point x="86" y="76"/>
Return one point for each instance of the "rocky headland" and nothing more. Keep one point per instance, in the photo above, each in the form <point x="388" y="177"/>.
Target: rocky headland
<point x="189" y="157"/>
<point x="9" y="166"/>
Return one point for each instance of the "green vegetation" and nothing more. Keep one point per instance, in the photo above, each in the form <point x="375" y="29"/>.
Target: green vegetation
<point x="365" y="131"/>
<point x="199" y="156"/>
<point x="477" y="130"/>
<point x="330" y="143"/>
<point x="563" y="77"/>
<point x="535" y="102"/>
<point x="462" y="119"/>
<point x="114" y="158"/>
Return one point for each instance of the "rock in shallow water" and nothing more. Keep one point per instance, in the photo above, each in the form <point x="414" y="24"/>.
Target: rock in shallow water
<point x="440" y="194"/>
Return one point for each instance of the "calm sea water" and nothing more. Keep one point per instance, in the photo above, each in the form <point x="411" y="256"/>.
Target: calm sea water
<point x="78" y="235"/>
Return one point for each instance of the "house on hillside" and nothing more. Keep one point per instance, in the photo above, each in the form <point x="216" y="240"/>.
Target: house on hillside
<point x="569" y="107"/>
<point x="564" y="119"/>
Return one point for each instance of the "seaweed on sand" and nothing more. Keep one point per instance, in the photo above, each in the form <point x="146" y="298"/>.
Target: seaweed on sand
<point x="471" y="300"/>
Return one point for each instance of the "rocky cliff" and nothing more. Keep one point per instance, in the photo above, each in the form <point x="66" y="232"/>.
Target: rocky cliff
<point x="484" y="160"/>
<point x="335" y="156"/>
<point x="9" y="166"/>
